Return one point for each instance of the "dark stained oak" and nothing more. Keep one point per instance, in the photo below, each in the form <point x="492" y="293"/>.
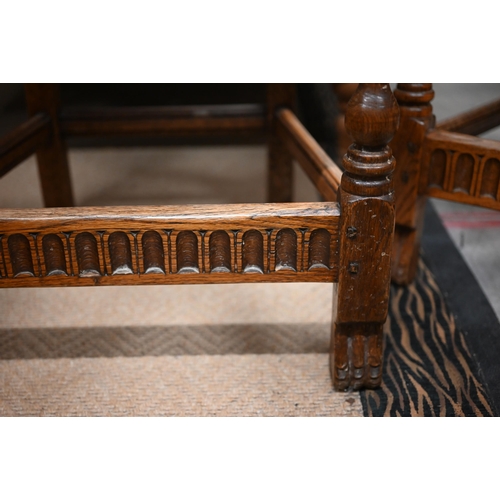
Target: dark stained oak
<point x="417" y="118"/>
<point x="21" y="256"/>
<point x="87" y="254"/>
<point x="120" y="252"/>
<point x="171" y="121"/>
<point x="52" y="157"/>
<point x="446" y="162"/>
<point x="366" y="237"/>
<point x="475" y="121"/>
<point x="321" y="169"/>
<point x="152" y="250"/>
<point x="279" y="159"/>
<point x="343" y="92"/>
<point x="461" y="168"/>
<point x="220" y="252"/>
<point x="53" y="252"/>
<point x="286" y="250"/>
<point x="175" y="244"/>
<point x="24" y="141"/>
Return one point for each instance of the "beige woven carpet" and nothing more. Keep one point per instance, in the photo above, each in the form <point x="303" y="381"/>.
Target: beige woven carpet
<point x="222" y="350"/>
<point x="229" y="385"/>
<point x="241" y="369"/>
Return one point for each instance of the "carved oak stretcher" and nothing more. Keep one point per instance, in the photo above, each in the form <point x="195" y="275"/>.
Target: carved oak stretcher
<point x="346" y="240"/>
<point x="444" y="160"/>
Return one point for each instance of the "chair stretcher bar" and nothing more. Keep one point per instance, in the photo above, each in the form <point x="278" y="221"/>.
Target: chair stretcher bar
<point x="320" y="168"/>
<point x="250" y="243"/>
<point x="24" y="141"/>
<point x="168" y="121"/>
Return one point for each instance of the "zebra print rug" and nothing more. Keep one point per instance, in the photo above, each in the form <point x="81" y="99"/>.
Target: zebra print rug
<point x="429" y="370"/>
<point x="442" y="340"/>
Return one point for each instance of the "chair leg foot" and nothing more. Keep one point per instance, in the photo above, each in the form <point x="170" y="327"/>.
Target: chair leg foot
<point x="356" y="355"/>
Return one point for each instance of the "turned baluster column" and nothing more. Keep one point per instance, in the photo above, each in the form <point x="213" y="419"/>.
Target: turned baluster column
<point x="414" y="101"/>
<point x="366" y="199"/>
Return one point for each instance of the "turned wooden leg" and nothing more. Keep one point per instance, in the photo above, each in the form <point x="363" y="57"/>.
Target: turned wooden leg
<point x="279" y="160"/>
<point x="52" y="159"/>
<point x="414" y="101"/>
<point x="366" y="199"/>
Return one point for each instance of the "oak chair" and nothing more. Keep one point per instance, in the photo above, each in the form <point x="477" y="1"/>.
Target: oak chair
<point x="346" y="239"/>
<point x="445" y="161"/>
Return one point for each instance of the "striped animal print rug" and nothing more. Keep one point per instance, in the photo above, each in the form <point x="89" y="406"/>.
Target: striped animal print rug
<point x="441" y="340"/>
<point x="428" y="365"/>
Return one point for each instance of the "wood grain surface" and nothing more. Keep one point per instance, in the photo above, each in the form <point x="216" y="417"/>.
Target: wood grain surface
<point x="417" y="118"/>
<point x="366" y="235"/>
<point x="461" y="168"/>
<point x="321" y="169"/>
<point x="174" y="244"/>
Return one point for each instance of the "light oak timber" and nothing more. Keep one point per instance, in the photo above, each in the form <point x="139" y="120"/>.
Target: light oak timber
<point x="189" y="217"/>
<point x="320" y="168"/>
<point x="168" y="121"/>
<point x="23" y="141"/>
<point x="475" y="121"/>
<point x="160" y="245"/>
<point x="461" y="168"/>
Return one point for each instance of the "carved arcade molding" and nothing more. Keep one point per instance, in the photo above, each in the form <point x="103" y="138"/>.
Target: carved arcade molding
<point x="252" y="250"/>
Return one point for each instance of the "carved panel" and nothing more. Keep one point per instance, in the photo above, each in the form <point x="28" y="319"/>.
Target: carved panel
<point x="462" y="168"/>
<point x="243" y="250"/>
